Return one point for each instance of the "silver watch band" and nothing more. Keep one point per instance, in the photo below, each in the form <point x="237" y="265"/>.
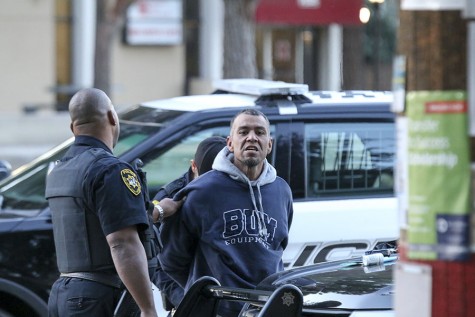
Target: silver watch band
<point x="161" y="213"/>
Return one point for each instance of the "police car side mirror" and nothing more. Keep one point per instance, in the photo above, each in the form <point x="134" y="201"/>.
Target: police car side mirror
<point x="5" y="169"/>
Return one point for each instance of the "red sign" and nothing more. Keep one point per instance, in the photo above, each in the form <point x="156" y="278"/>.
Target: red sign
<point x="446" y="107"/>
<point x="309" y="12"/>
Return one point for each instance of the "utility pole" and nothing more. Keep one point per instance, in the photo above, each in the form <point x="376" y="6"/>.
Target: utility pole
<point x="436" y="274"/>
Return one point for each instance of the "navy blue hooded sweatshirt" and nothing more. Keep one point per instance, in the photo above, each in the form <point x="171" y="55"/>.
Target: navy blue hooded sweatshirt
<point x="229" y="228"/>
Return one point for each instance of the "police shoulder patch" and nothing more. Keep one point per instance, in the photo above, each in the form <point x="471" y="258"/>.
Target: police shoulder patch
<point x="131" y="181"/>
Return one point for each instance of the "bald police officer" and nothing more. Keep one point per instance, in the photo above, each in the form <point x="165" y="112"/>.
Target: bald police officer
<point x="97" y="204"/>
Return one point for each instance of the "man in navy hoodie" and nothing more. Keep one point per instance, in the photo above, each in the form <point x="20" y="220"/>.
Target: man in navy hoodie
<point x="235" y="220"/>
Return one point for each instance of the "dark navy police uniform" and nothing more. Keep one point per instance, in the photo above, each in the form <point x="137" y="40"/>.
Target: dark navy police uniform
<point x="171" y="292"/>
<point x="88" y="203"/>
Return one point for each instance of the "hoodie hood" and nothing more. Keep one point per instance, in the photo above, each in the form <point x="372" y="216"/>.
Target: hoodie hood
<point x="224" y="163"/>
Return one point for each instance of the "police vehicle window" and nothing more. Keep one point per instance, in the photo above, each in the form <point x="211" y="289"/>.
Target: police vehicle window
<point x="24" y="194"/>
<point x="176" y="161"/>
<point x="138" y="123"/>
<point x="131" y="135"/>
<point x="349" y="158"/>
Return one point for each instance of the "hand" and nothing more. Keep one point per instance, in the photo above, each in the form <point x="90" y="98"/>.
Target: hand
<point x="170" y="206"/>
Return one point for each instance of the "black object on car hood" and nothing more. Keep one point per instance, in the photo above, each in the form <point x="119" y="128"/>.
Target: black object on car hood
<point x="345" y="284"/>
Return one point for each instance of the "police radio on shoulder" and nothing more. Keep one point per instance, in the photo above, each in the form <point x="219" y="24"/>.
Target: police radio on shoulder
<point x="161" y="212"/>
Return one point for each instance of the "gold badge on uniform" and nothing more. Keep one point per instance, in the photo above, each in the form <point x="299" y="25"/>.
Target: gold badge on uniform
<point x="131" y="181"/>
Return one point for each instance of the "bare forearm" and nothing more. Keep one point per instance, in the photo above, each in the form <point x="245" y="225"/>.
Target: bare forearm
<point x="131" y="265"/>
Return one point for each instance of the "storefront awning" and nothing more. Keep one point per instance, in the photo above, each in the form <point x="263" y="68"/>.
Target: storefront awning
<point x="308" y="12"/>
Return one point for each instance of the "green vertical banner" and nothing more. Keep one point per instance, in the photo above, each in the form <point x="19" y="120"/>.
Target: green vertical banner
<point x="439" y="175"/>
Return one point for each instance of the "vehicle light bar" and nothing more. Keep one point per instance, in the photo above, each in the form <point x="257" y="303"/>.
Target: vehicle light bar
<point x="260" y="87"/>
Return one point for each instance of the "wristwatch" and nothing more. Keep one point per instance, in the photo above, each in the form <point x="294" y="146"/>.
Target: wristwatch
<point x="161" y="212"/>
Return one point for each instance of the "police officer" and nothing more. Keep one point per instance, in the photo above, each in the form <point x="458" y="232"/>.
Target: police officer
<point x="97" y="204"/>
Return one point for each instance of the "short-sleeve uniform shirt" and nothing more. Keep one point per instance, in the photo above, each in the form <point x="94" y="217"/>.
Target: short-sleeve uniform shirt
<point x="112" y="189"/>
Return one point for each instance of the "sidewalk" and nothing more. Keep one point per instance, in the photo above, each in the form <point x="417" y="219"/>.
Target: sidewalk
<point x="24" y="137"/>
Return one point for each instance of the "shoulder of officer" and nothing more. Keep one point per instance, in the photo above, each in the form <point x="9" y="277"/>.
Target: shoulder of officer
<point x="118" y="173"/>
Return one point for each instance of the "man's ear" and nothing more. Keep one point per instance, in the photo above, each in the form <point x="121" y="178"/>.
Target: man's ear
<point x="229" y="144"/>
<point x="111" y="117"/>
<point x="194" y="168"/>
<point x="269" y="149"/>
<point x="71" y="126"/>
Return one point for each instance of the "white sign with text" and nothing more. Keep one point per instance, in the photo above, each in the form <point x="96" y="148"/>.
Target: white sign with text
<point x="432" y="4"/>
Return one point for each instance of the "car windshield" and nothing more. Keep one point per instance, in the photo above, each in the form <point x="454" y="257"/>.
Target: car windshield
<point x="22" y="194"/>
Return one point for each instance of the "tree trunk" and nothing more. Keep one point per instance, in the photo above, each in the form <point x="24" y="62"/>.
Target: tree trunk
<point x="353" y="60"/>
<point x="239" y="39"/>
<point x="434" y="43"/>
<point x="109" y="18"/>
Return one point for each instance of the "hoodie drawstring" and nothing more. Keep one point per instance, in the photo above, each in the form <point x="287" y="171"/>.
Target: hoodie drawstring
<point x="259" y="213"/>
<point x="224" y="163"/>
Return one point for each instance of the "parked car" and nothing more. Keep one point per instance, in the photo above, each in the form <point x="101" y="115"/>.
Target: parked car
<point x="335" y="149"/>
<point x="356" y="287"/>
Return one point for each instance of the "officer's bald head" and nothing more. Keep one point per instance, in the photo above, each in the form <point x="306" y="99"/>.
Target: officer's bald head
<point x="92" y="113"/>
<point x="89" y="105"/>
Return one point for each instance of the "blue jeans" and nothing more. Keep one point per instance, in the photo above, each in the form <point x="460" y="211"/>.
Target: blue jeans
<point x="77" y="297"/>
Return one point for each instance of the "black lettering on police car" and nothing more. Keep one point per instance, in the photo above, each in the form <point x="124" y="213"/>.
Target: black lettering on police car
<point x="324" y="252"/>
<point x="314" y="253"/>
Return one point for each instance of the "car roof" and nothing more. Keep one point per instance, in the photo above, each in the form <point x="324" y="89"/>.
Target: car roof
<point x="234" y="93"/>
<point x="202" y="102"/>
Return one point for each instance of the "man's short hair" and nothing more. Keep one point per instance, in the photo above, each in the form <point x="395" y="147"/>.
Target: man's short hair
<point x="251" y="112"/>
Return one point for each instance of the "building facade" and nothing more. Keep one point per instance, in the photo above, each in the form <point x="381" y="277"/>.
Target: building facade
<point x="170" y="48"/>
<point x="47" y="54"/>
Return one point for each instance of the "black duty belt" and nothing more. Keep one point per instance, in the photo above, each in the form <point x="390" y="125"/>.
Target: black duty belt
<point x="103" y="278"/>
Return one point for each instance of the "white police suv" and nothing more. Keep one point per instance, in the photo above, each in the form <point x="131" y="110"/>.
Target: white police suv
<point x="335" y="149"/>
